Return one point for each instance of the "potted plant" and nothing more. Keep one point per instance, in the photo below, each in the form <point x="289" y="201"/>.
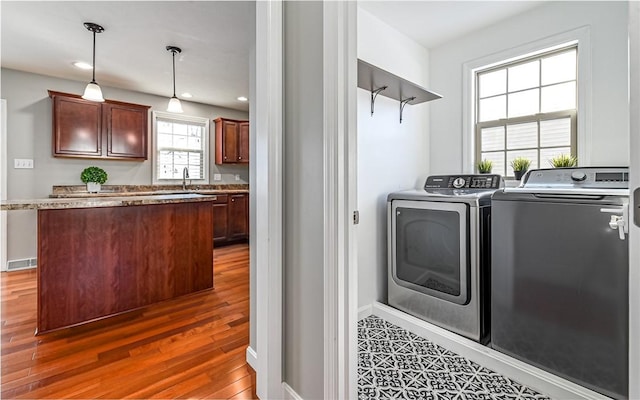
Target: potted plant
<point x="484" y="166"/>
<point x="520" y="165"/>
<point x="563" y="160"/>
<point x="93" y="177"/>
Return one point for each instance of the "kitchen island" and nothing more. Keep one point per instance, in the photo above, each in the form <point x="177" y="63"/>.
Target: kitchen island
<point x="103" y="256"/>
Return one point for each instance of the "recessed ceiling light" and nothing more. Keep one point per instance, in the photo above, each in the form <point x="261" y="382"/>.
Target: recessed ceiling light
<point x="82" y="65"/>
<point x="186" y="95"/>
<point x="242" y="98"/>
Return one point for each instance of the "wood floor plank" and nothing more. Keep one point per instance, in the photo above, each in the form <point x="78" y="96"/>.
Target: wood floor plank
<point x="192" y="347"/>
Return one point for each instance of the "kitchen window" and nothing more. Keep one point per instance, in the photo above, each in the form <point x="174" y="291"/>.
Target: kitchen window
<point x="527" y="108"/>
<point x="180" y="142"/>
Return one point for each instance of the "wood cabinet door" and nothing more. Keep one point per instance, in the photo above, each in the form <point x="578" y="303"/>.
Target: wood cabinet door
<point x="238" y="226"/>
<point x="220" y="221"/>
<point x="230" y="141"/>
<point x="243" y="142"/>
<point x="126" y="127"/>
<point x="77" y="128"/>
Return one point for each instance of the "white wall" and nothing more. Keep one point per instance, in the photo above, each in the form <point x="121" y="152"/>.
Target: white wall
<point x="607" y="22"/>
<point x="303" y="210"/>
<point x="391" y="156"/>
<point x="29" y="135"/>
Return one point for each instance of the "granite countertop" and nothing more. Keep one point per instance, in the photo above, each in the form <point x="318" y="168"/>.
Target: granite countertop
<point x="101" y="201"/>
<point x="76" y="196"/>
<point x="74" y="191"/>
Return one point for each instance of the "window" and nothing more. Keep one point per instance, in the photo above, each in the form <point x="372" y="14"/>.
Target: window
<point x="527" y="108"/>
<point x="180" y="142"/>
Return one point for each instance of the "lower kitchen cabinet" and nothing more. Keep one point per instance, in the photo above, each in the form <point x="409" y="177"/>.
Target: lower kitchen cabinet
<point x="230" y="218"/>
<point x="238" y="227"/>
<point x="220" y="220"/>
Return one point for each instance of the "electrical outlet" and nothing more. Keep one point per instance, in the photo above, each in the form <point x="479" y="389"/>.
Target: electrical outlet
<point x="22" y="163"/>
<point x="217" y="177"/>
<point x="237" y="177"/>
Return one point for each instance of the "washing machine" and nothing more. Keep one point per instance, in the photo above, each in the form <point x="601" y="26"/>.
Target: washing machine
<point x="560" y="274"/>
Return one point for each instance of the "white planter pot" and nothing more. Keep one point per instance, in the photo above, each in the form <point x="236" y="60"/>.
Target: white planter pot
<point x="93" y="187"/>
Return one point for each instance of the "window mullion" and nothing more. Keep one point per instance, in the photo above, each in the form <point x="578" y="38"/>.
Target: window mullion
<point x="506" y="103"/>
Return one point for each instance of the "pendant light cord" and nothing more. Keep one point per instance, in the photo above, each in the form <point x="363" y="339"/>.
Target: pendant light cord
<point x="93" y="79"/>
<point x="174" y="72"/>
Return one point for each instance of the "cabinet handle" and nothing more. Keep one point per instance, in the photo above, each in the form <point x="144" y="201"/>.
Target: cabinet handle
<point x="239" y="158"/>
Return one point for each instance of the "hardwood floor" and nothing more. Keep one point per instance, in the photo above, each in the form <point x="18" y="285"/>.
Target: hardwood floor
<point x="192" y="347"/>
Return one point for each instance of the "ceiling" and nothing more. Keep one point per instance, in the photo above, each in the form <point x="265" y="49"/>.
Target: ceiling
<point x="46" y="37"/>
<point x="432" y="23"/>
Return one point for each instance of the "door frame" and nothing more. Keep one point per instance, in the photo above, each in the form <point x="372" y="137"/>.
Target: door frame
<point x="3" y="183"/>
<point x="634" y="182"/>
<point x="340" y="77"/>
<point x="266" y="171"/>
<point x="339" y="167"/>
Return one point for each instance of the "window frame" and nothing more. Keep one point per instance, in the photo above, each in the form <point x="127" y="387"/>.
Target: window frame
<point x="205" y="147"/>
<point x="532" y="118"/>
<point x="495" y="55"/>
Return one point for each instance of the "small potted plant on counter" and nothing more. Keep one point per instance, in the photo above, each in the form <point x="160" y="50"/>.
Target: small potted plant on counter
<point x="563" y="160"/>
<point x="94" y="177"/>
<point x="520" y="165"/>
<point x="484" y="166"/>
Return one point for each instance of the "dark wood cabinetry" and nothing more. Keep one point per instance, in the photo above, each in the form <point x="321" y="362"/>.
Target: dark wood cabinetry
<point x="109" y="130"/>
<point x="77" y="127"/>
<point x="220" y="219"/>
<point x="230" y="218"/>
<point x="126" y="127"/>
<point x="232" y="141"/>
<point x="98" y="262"/>
<point x="238" y="227"/>
<point x="243" y="142"/>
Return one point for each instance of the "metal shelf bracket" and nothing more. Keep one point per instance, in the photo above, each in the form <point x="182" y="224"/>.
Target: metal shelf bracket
<point x="404" y="103"/>
<point x="374" y="94"/>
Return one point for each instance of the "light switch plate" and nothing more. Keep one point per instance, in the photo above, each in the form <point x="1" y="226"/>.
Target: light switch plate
<point x="22" y="163"/>
<point x="217" y="177"/>
<point x="237" y="177"/>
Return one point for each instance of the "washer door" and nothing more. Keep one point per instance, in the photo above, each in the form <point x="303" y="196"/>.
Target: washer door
<point x="430" y="251"/>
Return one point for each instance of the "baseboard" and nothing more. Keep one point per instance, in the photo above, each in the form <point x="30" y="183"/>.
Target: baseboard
<point x="252" y="358"/>
<point x="289" y="393"/>
<point x="365" y="311"/>
<point x="537" y="379"/>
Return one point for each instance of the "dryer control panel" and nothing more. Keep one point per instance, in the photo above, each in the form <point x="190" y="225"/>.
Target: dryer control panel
<point x="479" y="182"/>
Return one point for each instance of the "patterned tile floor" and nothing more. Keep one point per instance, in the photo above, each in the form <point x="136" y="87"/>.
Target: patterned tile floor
<point x="396" y="364"/>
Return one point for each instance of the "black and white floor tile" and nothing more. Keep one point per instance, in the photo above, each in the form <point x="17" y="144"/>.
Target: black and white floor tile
<point x="396" y="364"/>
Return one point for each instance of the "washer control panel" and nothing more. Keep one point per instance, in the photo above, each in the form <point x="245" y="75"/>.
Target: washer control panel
<point x="480" y="182"/>
<point x="584" y="177"/>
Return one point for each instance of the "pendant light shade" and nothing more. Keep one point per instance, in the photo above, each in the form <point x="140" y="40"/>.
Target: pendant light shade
<point x="92" y="91"/>
<point x="174" y="103"/>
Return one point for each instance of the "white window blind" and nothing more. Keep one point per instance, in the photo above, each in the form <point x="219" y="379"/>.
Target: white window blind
<point x="180" y="143"/>
<point x="527" y="108"/>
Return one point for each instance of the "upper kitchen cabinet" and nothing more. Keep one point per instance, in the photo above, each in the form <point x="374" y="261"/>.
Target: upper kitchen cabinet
<point x="126" y="126"/>
<point x="109" y="130"/>
<point x="232" y="141"/>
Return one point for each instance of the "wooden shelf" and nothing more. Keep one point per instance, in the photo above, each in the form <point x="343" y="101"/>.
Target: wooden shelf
<point x="373" y="79"/>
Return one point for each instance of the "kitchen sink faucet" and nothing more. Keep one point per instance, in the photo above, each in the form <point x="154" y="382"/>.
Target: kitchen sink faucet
<point x="185" y="176"/>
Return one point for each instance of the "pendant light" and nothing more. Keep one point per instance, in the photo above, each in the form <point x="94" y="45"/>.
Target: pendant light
<point x="174" y="102"/>
<point x="92" y="91"/>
